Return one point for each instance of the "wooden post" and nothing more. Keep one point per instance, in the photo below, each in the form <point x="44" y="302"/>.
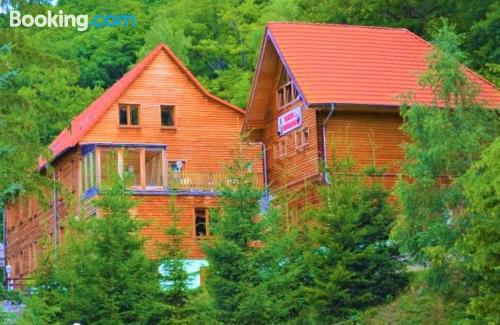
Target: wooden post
<point x="142" y="163"/>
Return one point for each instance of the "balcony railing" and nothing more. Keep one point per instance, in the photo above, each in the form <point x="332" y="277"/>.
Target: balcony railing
<point x="205" y="181"/>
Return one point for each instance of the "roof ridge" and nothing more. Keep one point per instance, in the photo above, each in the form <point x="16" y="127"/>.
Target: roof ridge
<point x="333" y="25"/>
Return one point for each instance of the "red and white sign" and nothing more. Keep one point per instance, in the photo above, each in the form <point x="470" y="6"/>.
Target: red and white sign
<point x="290" y="121"/>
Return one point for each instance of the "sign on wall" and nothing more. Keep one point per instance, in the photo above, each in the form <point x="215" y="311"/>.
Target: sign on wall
<point x="289" y="121"/>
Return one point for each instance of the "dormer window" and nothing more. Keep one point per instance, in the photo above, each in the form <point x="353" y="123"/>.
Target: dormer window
<point x="128" y="114"/>
<point x="287" y="93"/>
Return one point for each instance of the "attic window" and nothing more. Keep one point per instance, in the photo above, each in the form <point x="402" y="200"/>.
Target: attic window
<point x="287" y="93"/>
<point x="167" y="116"/>
<point x="128" y="114"/>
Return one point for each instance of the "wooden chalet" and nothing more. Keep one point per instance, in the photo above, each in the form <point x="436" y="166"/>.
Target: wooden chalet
<point x="324" y="86"/>
<point x="157" y="122"/>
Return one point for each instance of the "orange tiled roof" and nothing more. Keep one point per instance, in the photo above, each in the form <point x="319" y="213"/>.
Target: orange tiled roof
<point x="358" y="64"/>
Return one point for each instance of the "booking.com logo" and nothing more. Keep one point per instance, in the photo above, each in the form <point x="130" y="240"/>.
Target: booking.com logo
<point x="60" y="19"/>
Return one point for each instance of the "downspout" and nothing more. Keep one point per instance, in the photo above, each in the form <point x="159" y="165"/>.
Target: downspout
<point x="4" y="240"/>
<point x="264" y="174"/>
<point x="55" y="214"/>
<point x="325" y="165"/>
<point x="264" y="157"/>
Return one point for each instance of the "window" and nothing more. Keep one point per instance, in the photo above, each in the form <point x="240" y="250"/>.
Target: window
<point x="145" y="165"/>
<point x="280" y="149"/>
<point x="201" y="222"/>
<point x="88" y="172"/>
<point x="287" y="93"/>
<point x="167" y="116"/>
<point x="302" y="139"/>
<point x="132" y="164"/>
<point x="108" y="163"/>
<point x="128" y="115"/>
<point x="153" y="168"/>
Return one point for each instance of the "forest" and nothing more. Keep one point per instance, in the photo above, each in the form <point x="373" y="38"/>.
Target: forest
<point x="353" y="266"/>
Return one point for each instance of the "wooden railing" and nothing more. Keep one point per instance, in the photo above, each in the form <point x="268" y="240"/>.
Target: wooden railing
<point x="206" y="181"/>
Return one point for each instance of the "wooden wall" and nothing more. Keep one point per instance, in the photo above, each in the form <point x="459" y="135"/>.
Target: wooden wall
<point x="29" y="220"/>
<point x="206" y="131"/>
<point x="370" y="135"/>
<point x="206" y="137"/>
<point x="155" y="210"/>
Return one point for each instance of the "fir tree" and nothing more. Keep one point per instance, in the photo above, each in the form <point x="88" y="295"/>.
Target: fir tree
<point x="234" y="272"/>
<point x="350" y="262"/>
<point x="175" y="292"/>
<point x="101" y="274"/>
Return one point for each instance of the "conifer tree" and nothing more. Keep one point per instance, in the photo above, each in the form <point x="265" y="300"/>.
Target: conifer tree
<point x="101" y="274"/>
<point x="234" y="272"/>
<point x="174" y="278"/>
<point x="350" y="262"/>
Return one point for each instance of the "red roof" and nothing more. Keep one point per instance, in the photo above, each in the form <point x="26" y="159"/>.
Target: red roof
<point x="358" y="64"/>
<point x="82" y="123"/>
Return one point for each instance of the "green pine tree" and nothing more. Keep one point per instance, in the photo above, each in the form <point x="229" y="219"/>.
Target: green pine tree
<point x="351" y="264"/>
<point x="175" y="293"/>
<point x="235" y="269"/>
<point x="101" y="274"/>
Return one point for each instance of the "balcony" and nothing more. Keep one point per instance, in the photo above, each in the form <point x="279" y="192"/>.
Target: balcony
<point x="203" y="181"/>
<point x="152" y="172"/>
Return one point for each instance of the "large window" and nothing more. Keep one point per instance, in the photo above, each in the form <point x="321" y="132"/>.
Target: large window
<point x="287" y="93"/>
<point x="128" y="114"/>
<point x="88" y="172"/>
<point x="167" y="116"/>
<point x="144" y="164"/>
<point x="154" y="168"/>
<point x="108" y="163"/>
<point x="132" y="164"/>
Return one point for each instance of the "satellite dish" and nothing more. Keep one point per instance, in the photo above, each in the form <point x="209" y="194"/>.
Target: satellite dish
<point x="179" y="164"/>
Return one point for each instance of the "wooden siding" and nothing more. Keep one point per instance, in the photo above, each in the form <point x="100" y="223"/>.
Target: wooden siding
<point x="297" y="165"/>
<point x="206" y="131"/>
<point x="30" y="220"/>
<point x="370" y="135"/>
<point x="155" y="211"/>
<point x="206" y="137"/>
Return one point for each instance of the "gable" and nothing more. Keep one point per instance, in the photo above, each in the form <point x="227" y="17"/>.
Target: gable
<point x="163" y="83"/>
<point x="346" y="64"/>
<point x="82" y="123"/>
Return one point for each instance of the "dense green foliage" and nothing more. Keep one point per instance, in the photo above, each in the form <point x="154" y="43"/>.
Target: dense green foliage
<point x="439" y="211"/>
<point x="101" y="274"/>
<point x="235" y="271"/>
<point x="174" y="278"/>
<point x="219" y="40"/>
<point x="482" y="244"/>
<point x="342" y="261"/>
<point x="351" y="262"/>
